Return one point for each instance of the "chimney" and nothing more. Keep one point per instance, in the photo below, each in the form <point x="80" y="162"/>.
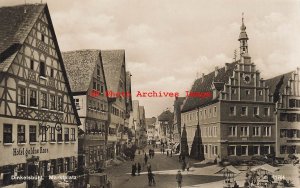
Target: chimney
<point x="216" y="71"/>
<point x="226" y="66"/>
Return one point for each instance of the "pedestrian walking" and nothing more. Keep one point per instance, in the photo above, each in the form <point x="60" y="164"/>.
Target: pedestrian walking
<point x="183" y="166"/>
<point x="149" y="167"/>
<point x="152" y="179"/>
<point x="133" y="170"/>
<point x="188" y="166"/>
<point x="179" y="179"/>
<point x="149" y="153"/>
<point x="146" y="158"/>
<point x="139" y="168"/>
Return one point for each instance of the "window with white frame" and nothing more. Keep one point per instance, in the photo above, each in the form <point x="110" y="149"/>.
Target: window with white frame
<point x="60" y="103"/>
<point x="244" y="131"/>
<point x="52" y="102"/>
<point x="215" y="150"/>
<point x="44" y="134"/>
<point x="33" y="98"/>
<point x="256" y="131"/>
<point x="214" y="131"/>
<point x="44" y="100"/>
<point x="255" y="111"/>
<point x="32" y="133"/>
<point x="266" y="111"/>
<point x="244" y="150"/>
<point x="21" y="134"/>
<point x="200" y="115"/>
<point x="256" y="150"/>
<point x="205" y="114"/>
<point x="205" y="149"/>
<point x="72" y="134"/>
<point x="231" y="150"/>
<point x="267" y="131"/>
<point x="52" y="134"/>
<point x="208" y="131"/>
<point x="210" y="113"/>
<point x="232" y="110"/>
<point x="22" y="95"/>
<point x="244" y="111"/>
<point x="215" y="111"/>
<point x="232" y="131"/>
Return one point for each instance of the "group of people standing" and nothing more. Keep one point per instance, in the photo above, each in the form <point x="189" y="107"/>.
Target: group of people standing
<point x="151" y="153"/>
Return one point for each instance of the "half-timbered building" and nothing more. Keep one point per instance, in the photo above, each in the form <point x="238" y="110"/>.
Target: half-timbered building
<point x="85" y="73"/>
<point x="38" y="118"/>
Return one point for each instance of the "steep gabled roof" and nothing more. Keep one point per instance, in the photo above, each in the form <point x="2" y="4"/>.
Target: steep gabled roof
<point x="165" y="116"/>
<point x="204" y="85"/>
<point x="112" y="64"/>
<point x="80" y="66"/>
<point x="15" y="24"/>
<point x="272" y="82"/>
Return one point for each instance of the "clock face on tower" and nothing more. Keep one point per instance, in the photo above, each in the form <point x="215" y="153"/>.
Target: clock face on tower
<point x="247" y="78"/>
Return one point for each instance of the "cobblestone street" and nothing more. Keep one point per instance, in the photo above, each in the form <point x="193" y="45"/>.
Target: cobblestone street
<point x="164" y="168"/>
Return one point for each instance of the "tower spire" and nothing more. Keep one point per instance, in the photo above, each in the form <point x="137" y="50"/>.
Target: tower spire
<point x="243" y="38"/>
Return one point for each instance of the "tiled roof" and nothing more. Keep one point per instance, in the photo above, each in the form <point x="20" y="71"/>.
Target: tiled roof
<point x="112" y="64"/>
<point x="204" y="85"/>
<point x="272" y="82"/>
<point x="80" y="66"/>
<point x="165" y="116"/>
<point x="15" y="25"/>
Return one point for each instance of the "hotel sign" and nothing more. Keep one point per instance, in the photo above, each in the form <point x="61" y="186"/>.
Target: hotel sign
<point x="29" y="151"/>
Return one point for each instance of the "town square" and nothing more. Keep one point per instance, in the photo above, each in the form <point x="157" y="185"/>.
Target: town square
<point x="137" y="93"/>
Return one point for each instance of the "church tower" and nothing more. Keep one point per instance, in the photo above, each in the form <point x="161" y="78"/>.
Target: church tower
<point x="243" y="38"/>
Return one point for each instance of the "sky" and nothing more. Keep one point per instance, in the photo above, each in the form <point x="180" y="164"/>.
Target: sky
<point x="169" y="43"/>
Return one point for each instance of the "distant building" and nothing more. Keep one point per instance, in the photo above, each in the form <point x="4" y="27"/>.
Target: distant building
<point x="129" y="108"/>
<point x="142" y="130"/>
<point x="165" y="120"/>
<point x="88" y="85"/>
<point x="237" y="119"/>
<point x="150" y="127"/>
<point x="39" y="121"/>
<point x="285" y="90"/>
<point x="177" y="120"/>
